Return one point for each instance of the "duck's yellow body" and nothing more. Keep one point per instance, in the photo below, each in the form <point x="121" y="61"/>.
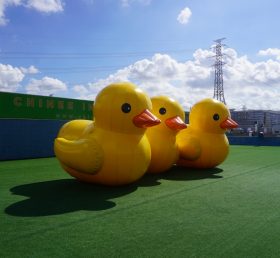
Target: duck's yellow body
<point x="203" y="144"/>
<point x="121" y="163"/>
<point x="112" y="150"/>
<point x="202" y="150"/>
<point x="162" y="137"/>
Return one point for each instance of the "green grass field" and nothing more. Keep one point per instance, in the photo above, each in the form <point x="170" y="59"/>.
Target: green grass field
<point x="230" y="211"/>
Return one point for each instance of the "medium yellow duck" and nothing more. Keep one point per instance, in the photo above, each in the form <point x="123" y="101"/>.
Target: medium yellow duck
<point x="162" y="137"/>
<point x="112" y="150"/>
<point x="203" y="144"/>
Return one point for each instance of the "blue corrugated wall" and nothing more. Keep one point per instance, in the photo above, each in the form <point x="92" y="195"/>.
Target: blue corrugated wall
<point x="23" y="138"/>
<point x="255" y="141"/>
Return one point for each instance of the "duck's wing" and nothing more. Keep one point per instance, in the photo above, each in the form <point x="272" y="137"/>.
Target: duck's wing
<point x="189" y="147"/>
<point x="74" y="130"/>
<point x="83" y="155"/>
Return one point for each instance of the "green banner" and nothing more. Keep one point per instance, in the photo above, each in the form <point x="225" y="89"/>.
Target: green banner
<point x="15" y="105"/>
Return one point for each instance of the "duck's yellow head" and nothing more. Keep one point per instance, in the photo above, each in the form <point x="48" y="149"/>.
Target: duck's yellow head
<point x="170" y="113"/>
<point x="210" y="115"/>
<point x="124" y="108"/>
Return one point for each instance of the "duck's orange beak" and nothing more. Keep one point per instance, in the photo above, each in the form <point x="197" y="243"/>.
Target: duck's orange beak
<point x="146" y="119"/>
<point x="175" y="123"/>
<point x="228" y="124"/>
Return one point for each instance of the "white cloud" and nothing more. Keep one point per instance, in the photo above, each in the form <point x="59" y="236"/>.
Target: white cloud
<point x="184" y="16"/>
<point x="270" y="52"/>
<point x="3" y="5"/>
<point x="127" y="3"/>
<point x="161" y="75"/>
<point x="30" y="70"/>
<point x="45" y="86"/>
<point x="253" y="84"/>
<point x="10" y="78"/>
<point x="248" y="73"/>
<point x="46" y="6"/>
<point x="81" y="90"/>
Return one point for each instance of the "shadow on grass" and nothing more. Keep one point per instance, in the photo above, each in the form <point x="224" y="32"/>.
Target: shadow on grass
<point x="68" y="195"/>
<point x="63" y="196"/>
<point x="177" y="173"/>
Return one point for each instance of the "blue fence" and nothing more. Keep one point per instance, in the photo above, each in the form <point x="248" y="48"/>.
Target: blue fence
<point x="254" y="140"/>
<point x="22" y="138"/>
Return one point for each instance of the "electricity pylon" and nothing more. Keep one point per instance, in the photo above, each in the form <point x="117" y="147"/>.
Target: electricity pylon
<point x="218" y="82"/>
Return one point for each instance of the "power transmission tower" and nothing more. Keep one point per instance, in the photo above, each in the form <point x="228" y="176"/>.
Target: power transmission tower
<point x="218" y="82"/>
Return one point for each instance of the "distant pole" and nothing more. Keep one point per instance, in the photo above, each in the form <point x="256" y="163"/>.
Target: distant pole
<point x="218" y="82"/>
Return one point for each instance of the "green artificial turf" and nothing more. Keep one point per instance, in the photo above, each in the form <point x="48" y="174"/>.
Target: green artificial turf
<point x="230" y="211"/>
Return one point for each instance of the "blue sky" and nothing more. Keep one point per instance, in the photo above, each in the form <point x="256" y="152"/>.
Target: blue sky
<point x="75" y="48"/>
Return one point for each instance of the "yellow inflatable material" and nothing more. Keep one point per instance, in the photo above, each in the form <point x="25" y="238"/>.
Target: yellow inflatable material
<point x="74" y="130"/>
<point x="203" y="144"/>
<point x="112" y="150"/>
<point x="162" y="137"/>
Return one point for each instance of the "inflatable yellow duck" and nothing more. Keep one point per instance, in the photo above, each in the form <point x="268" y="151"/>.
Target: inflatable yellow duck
<point x="112" y="150"/>
<point x="162" y="137"/>
<point x="203" y="144"/>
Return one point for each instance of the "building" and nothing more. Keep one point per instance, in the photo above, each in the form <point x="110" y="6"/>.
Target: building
<point x="258" y="121"/>
<point x="254" y="121"/>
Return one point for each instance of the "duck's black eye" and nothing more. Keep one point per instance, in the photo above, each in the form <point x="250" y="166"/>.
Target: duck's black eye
<point x="126" y="108"/>
<point x="162" y="111"/>
<point x="216" y="117"/>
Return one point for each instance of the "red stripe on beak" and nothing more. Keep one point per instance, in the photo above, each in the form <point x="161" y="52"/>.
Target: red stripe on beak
<point x="228" y="124"/>
<point x="146" y="119"/>
<point x="175" y="123"/>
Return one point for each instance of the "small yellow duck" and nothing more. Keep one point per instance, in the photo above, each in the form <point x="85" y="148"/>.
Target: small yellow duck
<point x="203" y="144"/>
<point x="112" y="150"/>
<point x="162" y="137"/>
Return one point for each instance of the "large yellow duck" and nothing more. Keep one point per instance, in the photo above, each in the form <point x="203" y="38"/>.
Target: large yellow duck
<point x="112" y="150"/>
<point x="203" y="144"/>
<point x="163" y="136"/>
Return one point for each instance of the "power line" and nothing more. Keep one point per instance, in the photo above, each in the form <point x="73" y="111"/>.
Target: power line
<point x="77" y="55"/>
